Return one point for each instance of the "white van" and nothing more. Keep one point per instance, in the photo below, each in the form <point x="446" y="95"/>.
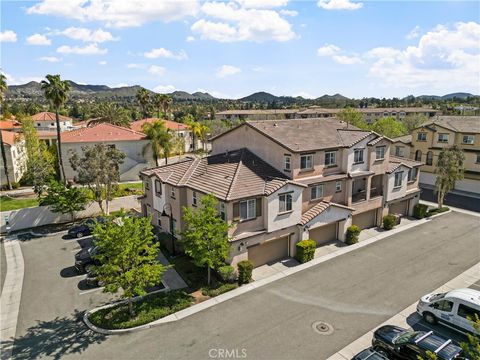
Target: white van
<point x="451" y="309"/>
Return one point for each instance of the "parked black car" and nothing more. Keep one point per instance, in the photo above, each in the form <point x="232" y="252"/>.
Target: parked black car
<point x="369" y="354"/>
<point x="85" y="228"/>
<point x="408" y="344"/>
<point x="85" y="258"/>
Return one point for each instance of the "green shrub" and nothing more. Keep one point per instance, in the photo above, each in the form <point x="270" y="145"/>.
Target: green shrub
<point x="215" y="291"/>
<point x="305" y="250"/>
<point x="226" y="273"/>
<point x="352" y="235"/>
<point x="389" y="221"/>
<point x="437" y="211"/>
<point x="245" y="268"/>
<point x="420" y="211"/>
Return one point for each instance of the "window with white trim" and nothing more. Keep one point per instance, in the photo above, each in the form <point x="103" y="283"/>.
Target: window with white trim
<point x="399" y="151"/>
<point x="247" y="209"/>
<point x="380" y="152"/>
<point x="306" y="162"/>
<point x="443" y="138"/>
<point x="287" y="165"/>
<point x="358" y="156"/>
<point x="194" y="198"/>
<point x="316" y="192"/>
<point x="468" y="139"/>
<point x="398" y="179"/>
<point x="338" y="186"/>
<point x="412" y="174"/>
<point x="158" y="188"/>
<point x="422" y="136"/>
<point x="330" y="158"/>
<point x="147" y="184"/>
<point x="285" y="203"/>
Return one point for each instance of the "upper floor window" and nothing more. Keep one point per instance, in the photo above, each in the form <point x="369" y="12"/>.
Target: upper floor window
<point x="285" y="203"/>
<point x="222" y="210"/>
<point x="394" y="113"/>
<point x="172" y="192"/>
<point x="478" y="158"/>
<point x="358" y="156"/>
<point x="330" y="158"/>
<point x="412" y="174"/>
<point x="468" y="139"/>
<point x="399" y="151"/>
<point x="147" y="184"/>
<point x="429" y="158"/>
<point x="402" y="113"/>
<point x="248" y="209"/>
<point x="158" y="188"/>
<point x="52" y="124"/>
<point x="422" y="136"/>
<point x="418" y="155"/>
<point x="194" y="198"/>
<point x="380" y="152"/>
<point x="338" y="186"/>
<point x="443" y="138"/>
<point x="398" y="179"/>
<point x="174" y="226"/>
<point x="287" y="164"/>
<point x="316" y="192"/>
<point x="306" y="162"/>
<point x="38" y="124"/>
<point x="385" y="114"/>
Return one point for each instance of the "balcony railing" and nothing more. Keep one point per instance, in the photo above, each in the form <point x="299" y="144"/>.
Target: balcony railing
<point x="359" y="196"/>
<point x="374" y="192"/>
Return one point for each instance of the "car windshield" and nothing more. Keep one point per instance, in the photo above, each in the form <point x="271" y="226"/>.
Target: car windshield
<point x="406" y="337"/>
<point x="436" y="297"/>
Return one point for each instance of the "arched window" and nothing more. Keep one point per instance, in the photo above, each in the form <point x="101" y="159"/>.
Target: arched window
<point x="429" y="158"/>
<point x="418" y="155"/>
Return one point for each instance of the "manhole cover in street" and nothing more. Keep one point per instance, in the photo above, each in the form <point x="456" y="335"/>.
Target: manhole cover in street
<point x="322" y="328"/>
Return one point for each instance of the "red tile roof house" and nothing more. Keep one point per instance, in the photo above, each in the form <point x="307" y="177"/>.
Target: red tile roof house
<point x="16" y="155"/>
<point x="46" y="121"/>
<point x="281" y="181"/>
<point x="126" y="140"/>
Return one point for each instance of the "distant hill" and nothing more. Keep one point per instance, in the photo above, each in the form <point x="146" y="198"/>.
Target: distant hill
<point x="261" y="96"/>
<point x="457" y="95"/>
<point x="336" y="97"/>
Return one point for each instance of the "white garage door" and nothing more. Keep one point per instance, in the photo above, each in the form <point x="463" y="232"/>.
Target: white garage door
<point x="400" y="207"/>
<point x="365" y="220"/>
<point x="269" y="251"/>
<point x="324" y="234"/>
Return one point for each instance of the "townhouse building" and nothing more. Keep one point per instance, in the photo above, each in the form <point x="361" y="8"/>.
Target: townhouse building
<point x="401" y="146"/>
<point x="282" y="181"/>
<point x="442" y="132"/>
<point x="46" y="121"/>
<point x="15" y="155"/>
<point x="257" y="114"/>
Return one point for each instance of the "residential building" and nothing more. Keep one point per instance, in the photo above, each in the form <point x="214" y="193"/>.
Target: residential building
<point x="135" y="145"/>
<point x="401" y="146"/>
<point x="179" y="129"/>
<point x="256" y="114"/>
<point x="431" y="138"/>
<point x="16" y="156"/>
<point x="282" y="181"/>
<point x="46" y="121"/>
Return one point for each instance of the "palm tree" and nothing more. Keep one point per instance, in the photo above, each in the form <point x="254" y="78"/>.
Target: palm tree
<point x="56" y="92"/>
<point x="3" y="90"/>
<point x="143" y="99"/>
<point x="204" y="130"/>
<point x="111" y="113"/>
<point x="195" y="127"/>
<point x="167" y="102"/>
<point x="159" y="137"/>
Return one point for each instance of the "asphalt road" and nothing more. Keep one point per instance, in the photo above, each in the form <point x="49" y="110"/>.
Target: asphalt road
<point x="353" y="292"/>
<point x="462" y="202"/>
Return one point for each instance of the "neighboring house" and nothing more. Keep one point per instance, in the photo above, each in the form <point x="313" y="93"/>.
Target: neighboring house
<point x="401" y="146"/>
<point x="16" y="156"/>
<point x="279" y="182"/>
<point x="267" y="114"/>
<point x="131" y="142"/>
<point x="430" y="138"/>
<point x="10" y="125"/>
<point x="178" y="129"/>
<point x="46" y="121"/>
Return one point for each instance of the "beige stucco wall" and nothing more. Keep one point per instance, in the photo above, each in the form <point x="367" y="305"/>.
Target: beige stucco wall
<point x="378" y="166"/>
<point x="275" y="220"/>
<point x="329" y="194"/>
<point x="16" y="162"/>
<point x="391" y="192"/>
<point x="407" y="149"/>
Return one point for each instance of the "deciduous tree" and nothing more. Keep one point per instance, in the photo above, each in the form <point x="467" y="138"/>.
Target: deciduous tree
<point x="450" y="168"/>
<point x="65" y="200"/>
<point x="353" y="117"/>
<point x="389" y="127"/>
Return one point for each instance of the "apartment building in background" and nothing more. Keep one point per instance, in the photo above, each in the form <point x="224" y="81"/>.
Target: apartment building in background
<point x="16" y="156"/>
<point x="442" y="132"/>
<point x="46" y="121"/>
<point x="281" y="181"/>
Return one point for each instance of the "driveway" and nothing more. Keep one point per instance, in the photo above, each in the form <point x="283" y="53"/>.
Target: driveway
<point x="462" y="202"/>
<point x="353" y="292"/>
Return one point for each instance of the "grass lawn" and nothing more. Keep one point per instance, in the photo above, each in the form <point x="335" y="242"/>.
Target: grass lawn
<point x="7" y="203"/>
<point x="150" y="308"/>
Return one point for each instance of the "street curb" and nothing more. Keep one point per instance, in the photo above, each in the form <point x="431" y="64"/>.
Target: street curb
<point x="254" y="285"/>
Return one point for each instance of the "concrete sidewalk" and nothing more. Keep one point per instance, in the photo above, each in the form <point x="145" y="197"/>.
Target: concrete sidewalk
<point x="171" y="277"/>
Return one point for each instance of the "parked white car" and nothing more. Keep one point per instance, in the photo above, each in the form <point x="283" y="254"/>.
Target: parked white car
<point x="452" y="309"/>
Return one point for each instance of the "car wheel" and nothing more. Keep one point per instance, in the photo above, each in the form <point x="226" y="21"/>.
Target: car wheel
<point x="430" y="318"/>
<point x="79" y="234"/>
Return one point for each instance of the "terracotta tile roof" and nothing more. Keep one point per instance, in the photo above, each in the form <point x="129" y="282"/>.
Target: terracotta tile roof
<point x="313" y="212"/>
<point x="316" y="134"/>
<point x="395" y="162"/>
<point x="258" y="112"/>
<point x="320" y="110"/>
<point x="172" y="125"/>
<point x="240" y="174"/>
<point x="9" y="125"/>
<point x="46" y="134"/>
<point x="49" y="116"/>
<point x="102" y="132"/>
<point x="9" y="137"/>
<point x="463" y="124"/>
<point x="406" y="139"/>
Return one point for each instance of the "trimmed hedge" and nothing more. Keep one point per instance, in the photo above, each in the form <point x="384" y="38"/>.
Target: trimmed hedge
<point x="226" y="273"/>
<point x="305" y="250"/>
<point x="215" y="291"/>
<point x="352" y="235"/>
<point x="389" y="221"/>
<point x="420" y="211"/>
<point x="245" y="268"/>
<point x="437" y="211"/>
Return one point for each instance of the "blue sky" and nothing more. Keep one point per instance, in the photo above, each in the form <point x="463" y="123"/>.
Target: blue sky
<point x="234" y="48"/>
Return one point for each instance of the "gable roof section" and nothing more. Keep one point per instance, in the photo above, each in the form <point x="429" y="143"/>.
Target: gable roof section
<point x="171" y="125"/>
<point x="463" y="124"/>
<point x="319" y="208"/>
<point x="240" y="174"/>
<point x="102" y="132"/>
<point x="406" y="139"/>
<point x="49" y="116"/>
<point x="395" y="162"/>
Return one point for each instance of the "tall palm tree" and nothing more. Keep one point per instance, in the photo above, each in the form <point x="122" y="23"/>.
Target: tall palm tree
<point x="3" y="90"/>
<point x="195" y="127"/>
<point x="56" y="92"/>
<point x="143" y="98"/>
<point x="204" y="130"/>
<point x="160" y="139"/>
<point x="167" y="102"/>
<point x="111" y="113"/>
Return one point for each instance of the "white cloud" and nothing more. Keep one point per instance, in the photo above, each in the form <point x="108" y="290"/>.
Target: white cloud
<point x="304" y="94"/>
<point x="261" y="4"/>
<point x="190" y="39"/>
<point x="52" y="59"/>
<point x="103" y="62"/>
<point x="328" y="50"/>
<point x="156" y="70"/>
<point x="118" y="13"/>
<point x="347" y="60"/>
<point x="164" y="53"/>
<point x="11" y="80"/>
<point x="414" y="33"/>
<point x="227" y="70"/>
<point x="339" y="5"/>
<point x="8" y="36"/>
<point x="288" y="12"/>
<point x="135" y="66"/>
<point x="88" y="35"/>
<point x="91" y="49"/>
<point x="232" y="22"/>
<point x="118" y="85"/>
<point x="38" y="39"/>
<point x="164" y="89"/>
<point x="338" y="55"/>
